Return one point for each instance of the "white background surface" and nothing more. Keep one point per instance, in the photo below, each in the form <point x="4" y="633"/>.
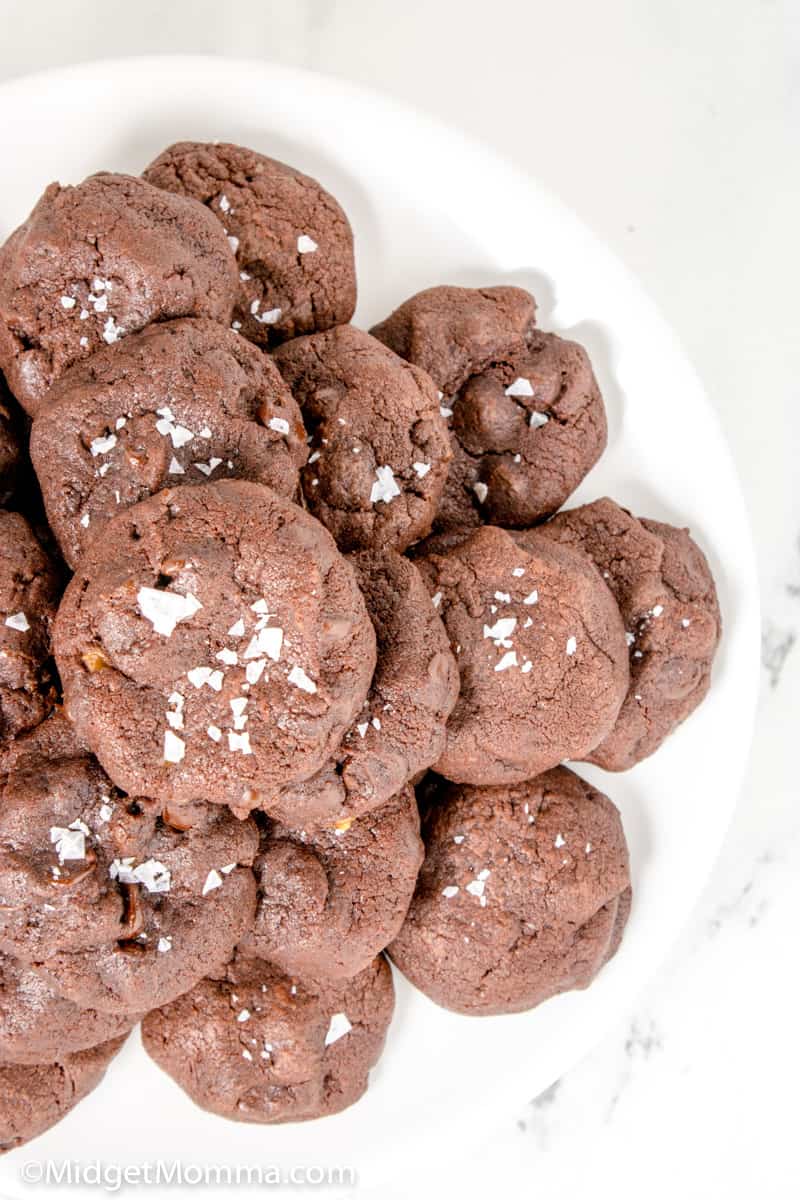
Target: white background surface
<point x="670" y="127"/>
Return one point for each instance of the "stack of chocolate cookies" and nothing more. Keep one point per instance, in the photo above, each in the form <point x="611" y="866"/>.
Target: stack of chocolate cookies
<point x="296" y="636"/>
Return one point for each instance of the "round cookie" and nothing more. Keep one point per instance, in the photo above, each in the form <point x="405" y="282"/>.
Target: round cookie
<point x="528" y="421"/>
<point x="39" y="1026"/>
<point x="400" y="731"/>
<point x="29" y="593"/>
<point x="187" y="904"/>
<point x="523" y="894"/>
<point x="541" y="651"/>
<point x="293" y="243"/>
<point x="380" y="446"/>
<point x="255" y="1045"/>
<point x="455" y="332"/>
<point x="34" y="1098"/>
<point x="666" y="594"/>
<point x="330" y="901"/>
<point x="62" y="825"/>
<point x="214" y="645"/>
<point x="180" y="402"/>
<point x="98" y="261"/>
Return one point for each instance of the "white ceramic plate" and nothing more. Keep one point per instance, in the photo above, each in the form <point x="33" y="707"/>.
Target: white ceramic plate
<point x="429" y="207"/>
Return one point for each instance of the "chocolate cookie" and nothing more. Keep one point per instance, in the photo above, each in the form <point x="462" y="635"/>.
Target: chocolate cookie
<point x="541" y="651"/>
<point x="29" y="592"/>
<point x="529" y="428"/>
<point x="400" y="731"/>
<point x="380" y="446"/>
<point x="188" y="902"/>
<point x="528" y="420"/>
<point x="62" y="825"/>
<point x="39" y="1026"/>
<point x="523" y="894"/>
<point x="180" y="402"/>
<point x="292" y="241"/>
<point x="34" y="1098"/>
<point x="666" y="594"/>
<point x="453" y="333"/>
<point x="330" y="901"/>
<point x="256" y="1045"/>
<point x="214" y="644"/>
<point x="98" y="261"/>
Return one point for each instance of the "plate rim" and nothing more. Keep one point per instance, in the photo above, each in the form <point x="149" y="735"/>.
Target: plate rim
<point x="747" y="577"/>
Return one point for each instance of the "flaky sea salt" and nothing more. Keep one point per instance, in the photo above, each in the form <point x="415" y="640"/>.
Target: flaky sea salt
<point x="102" y="445"/>
<point x="385" y="488"/>
<point x="338" y="1028"/>
<point x="239" y="741"/>
<point x="509" y="659"/>
<point x="520" y="387"/>
<point x="501" y="630"/>
<point x="298" y="677"/>
<point x="164" y="610"/>
<point x="213" y="881"/>
<point x="18" y="621"/>
<point x="174" y="747"/>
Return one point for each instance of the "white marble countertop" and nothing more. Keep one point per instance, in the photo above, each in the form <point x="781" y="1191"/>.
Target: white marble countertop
<point x="670" y="127"/>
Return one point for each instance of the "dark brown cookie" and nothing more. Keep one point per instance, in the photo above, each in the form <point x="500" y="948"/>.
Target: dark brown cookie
<point x="62" y="825"/>
<point x="29" y="591"/>
<point x="330" y="901"/>
<point x="187" y="904"/>
<point x="379" y="445"/>
<point x="528" y="420"/>
<point x="541" y="651"/>
<point x="214" y="645"/>
<point x="39" y="1026"/>
<point x="34" y="1098"/>
<point x="666" y="594"/>
<point x="400" y="731"/>
<point x="292" y="241"/>
<point x="529" y="428"/>
<point x="179" y="402"/>
<point x="523" y="894"/>
<point x="98" y="261"/>
<point x="454" y="332"/>
<point x="256" y="1045"/>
